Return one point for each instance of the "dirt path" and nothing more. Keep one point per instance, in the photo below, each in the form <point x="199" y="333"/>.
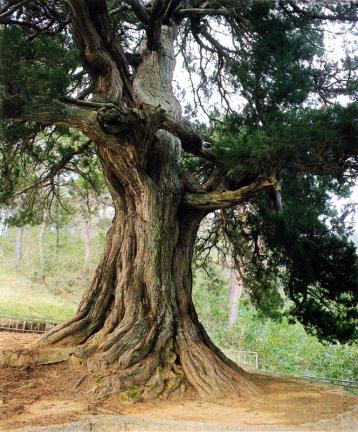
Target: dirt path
<point x="43" y="395"/>
<point x="16" y="340"/>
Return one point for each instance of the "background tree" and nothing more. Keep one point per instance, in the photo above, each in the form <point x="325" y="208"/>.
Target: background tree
<point x="105" y="70"/>
<point x="89" y="197"/>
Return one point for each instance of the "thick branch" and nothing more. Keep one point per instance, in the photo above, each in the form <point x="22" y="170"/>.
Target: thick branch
<point x="82" y="114"/>
<point x="155" y="24"/>
<point x="200" y="12"/>
<point x="42" y="111"/>
<point x="162" y="12"/>
<point x="138" y="10"/>
<point x="191" y="141"/>
<point x="225" y="199"/>
<point x="170" y="10"/>
<point x="101" y="52"/>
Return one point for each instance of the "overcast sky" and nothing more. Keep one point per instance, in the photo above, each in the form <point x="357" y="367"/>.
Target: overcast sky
<point x="337" y="40"/>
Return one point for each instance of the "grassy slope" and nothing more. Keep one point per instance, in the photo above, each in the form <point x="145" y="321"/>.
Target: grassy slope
<point x="21" y="297"/>
<point x="55" y="292"/>
<point x="281" y="346"/>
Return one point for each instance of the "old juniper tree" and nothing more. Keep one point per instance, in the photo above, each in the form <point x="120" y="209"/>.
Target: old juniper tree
<point x="85" y="79"/>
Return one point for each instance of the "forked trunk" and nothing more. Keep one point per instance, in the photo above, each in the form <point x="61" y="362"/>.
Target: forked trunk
<point x="137" y="320"/>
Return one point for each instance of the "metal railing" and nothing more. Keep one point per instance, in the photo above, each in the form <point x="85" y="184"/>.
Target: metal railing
<point x="340" y="382"/>
<point x="251" y="358"/>
<point x="29" y="324"/>
<point x="243" y="357"/>
<point x="35" y="324"/>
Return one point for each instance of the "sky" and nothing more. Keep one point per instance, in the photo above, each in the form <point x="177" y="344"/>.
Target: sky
<point x="336" y="43"/>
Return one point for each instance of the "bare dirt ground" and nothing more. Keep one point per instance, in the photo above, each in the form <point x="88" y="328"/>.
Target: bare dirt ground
<point x="61" y="393"/>
<point x="15" y="340"/>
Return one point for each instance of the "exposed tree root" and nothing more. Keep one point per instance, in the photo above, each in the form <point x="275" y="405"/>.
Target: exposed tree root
<point x="136" y="324"/>
<point x="154" y="364"/>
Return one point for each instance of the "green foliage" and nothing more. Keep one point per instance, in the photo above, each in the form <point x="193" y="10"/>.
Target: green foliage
<point x="208" y="296"/>
<point x="279" y="71"/>
<point x="299" y="140"/>
<point x="304" y="251"/>
<point x="49" y="176"/>
<point x="38" y="67"/>
<point x="46" y="67"/>
<point x="275" y="70"/>
<point x="282" y="346"/>
<point x="24" y="295"/>
<point x="306" y="248"/>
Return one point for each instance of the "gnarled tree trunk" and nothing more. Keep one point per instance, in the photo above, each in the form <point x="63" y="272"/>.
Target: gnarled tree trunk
<point x="137" y="319"/>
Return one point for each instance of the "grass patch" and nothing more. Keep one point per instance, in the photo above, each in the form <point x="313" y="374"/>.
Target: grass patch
<point x="21" y="297"/>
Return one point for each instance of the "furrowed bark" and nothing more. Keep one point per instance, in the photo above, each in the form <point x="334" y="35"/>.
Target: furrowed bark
<point x="162" y="12"/>
<point x="136" y="322"/>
